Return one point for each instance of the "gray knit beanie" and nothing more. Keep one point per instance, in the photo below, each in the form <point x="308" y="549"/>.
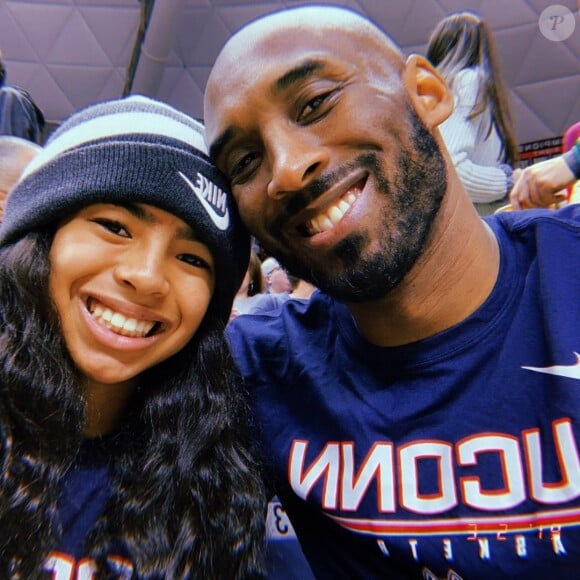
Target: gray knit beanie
<point x="134" y="150"/>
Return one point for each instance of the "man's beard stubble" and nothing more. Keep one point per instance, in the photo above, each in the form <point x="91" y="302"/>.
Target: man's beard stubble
<point x="415" y="192"/>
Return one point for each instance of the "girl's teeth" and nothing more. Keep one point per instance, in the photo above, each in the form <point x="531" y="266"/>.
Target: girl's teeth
<point x="119" y="323"/>
<point x="118" y="320"/>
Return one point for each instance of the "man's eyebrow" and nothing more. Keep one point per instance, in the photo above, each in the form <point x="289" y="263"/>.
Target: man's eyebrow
<point x="294" y="75"/>
<point x="298" y="73"/>
<point x="220" y="142"/>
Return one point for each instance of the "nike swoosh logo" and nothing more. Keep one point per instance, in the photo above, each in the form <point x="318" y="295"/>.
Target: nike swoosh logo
<point x="568" y="371"/>
<point x="204" y="186"/>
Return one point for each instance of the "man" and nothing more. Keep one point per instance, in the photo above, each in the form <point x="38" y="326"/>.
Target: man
<point x="15" y="154"/>
<point x="420" y="414"/>
<point x="276" y="277"/>
<point x="19" y="114"/>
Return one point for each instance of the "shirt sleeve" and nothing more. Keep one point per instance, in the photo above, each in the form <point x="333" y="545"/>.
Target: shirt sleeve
<point x="572" y="158"/>
<point x="462" y="136"/>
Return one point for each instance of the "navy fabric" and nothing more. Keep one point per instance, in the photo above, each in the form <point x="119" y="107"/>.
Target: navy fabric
<point x="83" y="497"/>
<point x="453" y="457"/>
<point x="19" y="115"/>
<point x="84" y="494"/>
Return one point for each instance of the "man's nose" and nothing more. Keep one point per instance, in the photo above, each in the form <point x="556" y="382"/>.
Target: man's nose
<point x="295" y="159"/>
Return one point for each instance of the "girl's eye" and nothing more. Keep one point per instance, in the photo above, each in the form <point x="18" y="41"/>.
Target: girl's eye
<point x="312" y="107"/>
<point x="194" y="260"/>
<point x="113" y="227"/>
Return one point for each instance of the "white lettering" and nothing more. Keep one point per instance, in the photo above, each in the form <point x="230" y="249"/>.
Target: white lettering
<point x="326" y="466"/>
<point x="377" y="464"/>
<point x="557" y="544"/>
<point x="413" y="545"/>
<point x="447" y="549"/>
<point x="61" y="566"/>
<point x="344" y="484"/>
<point x="521" y="548"/>
<point x="383" y="548"/>
<point x="513" y="492"/>
<point x="483" y="548"/>
<point x="409" y="460"/>
<point x="568" y="487"/>
<point x="86" y="570"/>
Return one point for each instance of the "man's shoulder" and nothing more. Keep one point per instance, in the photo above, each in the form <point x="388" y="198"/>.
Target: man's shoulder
<point x="289" y="317"/>
<point x="566" y="218"/>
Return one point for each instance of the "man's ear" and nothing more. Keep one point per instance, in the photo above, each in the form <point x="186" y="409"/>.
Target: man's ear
<point x="427" y="90"/>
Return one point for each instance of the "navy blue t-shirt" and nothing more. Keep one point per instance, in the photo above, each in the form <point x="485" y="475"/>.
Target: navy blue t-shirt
<point x="83" y="497"/>
<point x="453" y="457"/>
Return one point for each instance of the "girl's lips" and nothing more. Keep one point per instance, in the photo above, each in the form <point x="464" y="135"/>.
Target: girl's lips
<point x="120" y="325"/>
<point x="119" y="322"/>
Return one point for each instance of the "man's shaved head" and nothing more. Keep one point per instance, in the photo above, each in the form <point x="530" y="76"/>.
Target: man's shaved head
<point x="279" y="31"/>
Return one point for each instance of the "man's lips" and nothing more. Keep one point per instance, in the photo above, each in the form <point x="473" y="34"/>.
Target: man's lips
<point x="327" y="211"/>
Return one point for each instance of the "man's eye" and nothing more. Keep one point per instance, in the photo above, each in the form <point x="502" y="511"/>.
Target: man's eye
<point x="113" y="227"/>
<point x="312" y="107"/>
<point x="242" y="168"/>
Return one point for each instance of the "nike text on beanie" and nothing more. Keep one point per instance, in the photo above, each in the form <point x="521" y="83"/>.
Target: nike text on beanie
<point x="133" y="150"/>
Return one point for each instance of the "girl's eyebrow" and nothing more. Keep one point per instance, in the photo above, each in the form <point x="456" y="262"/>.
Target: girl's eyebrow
<point x="184" y="233"/>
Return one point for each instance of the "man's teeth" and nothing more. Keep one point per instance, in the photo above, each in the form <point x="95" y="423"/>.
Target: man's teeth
<point x="119" y="323"/>
<point x="327" y="219"/>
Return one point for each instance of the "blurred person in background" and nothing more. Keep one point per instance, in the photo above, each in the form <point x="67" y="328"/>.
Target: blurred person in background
<point x="479" y="134"/>
<point x="275" y="276"/>
<point x="20" y="116"/>
<point x="543" y="184"/>
<point x="15" y="154"/>
<point x="301" y="289"/>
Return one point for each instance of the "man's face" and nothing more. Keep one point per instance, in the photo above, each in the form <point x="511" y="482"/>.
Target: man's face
<point x="331" y="168"/>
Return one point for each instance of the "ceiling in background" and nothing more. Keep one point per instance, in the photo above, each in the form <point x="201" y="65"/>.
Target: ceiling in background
<point x="71" y="53"/>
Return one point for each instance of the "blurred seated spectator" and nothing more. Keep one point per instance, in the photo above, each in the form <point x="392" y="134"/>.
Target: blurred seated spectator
<point x="480" y="133"/>
<point x="19" y="114"/>
<point x="275" y="276"/>
<point x="301" y="290"/>
<point x="251" y="292"/>
<point x="15" y="154"/>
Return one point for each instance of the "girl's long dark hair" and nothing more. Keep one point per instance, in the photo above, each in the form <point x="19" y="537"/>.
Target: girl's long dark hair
<point x="187" y="498"/>
<point x="464" y="40"/>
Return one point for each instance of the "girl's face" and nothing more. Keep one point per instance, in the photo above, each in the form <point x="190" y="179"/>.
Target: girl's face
<point x="131" y="285"/>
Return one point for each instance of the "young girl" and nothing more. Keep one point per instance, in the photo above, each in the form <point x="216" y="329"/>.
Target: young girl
<point x="124" y="450"/>
<point x="480" y="133"/>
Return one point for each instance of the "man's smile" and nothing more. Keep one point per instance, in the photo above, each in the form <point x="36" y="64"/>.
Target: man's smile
<point x="328" y="210"/>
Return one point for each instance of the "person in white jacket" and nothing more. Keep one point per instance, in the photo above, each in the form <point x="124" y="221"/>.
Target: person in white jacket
<point x="479" y="134"/>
